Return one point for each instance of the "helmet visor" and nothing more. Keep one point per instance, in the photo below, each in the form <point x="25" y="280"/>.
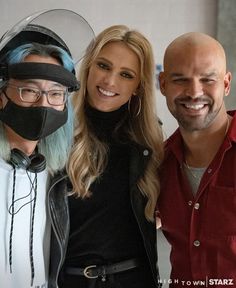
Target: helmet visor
<point x="70" y="29"/>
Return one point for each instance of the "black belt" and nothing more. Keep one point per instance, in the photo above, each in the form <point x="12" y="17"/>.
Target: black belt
<point x="94" y="271"/>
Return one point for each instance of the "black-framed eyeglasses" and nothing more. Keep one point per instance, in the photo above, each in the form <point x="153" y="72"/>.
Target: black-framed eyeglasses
<point x="55" y="97"/>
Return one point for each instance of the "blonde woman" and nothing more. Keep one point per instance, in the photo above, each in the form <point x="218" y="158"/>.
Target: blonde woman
<point x="113" y="166"/>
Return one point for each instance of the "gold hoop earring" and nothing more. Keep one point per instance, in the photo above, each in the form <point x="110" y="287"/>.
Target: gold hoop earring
<point x="137" y="108"/>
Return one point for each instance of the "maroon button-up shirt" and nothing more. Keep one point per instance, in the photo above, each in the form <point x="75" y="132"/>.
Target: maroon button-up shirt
<point x="201" y="229"/>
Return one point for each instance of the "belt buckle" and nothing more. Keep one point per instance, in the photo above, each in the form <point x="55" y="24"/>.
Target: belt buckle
<point x="86" y="272"/>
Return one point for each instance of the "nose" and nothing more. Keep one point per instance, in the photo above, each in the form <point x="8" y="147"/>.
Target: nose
<point x="194" y="89"/>
<point x="110" y="79"/>
<point x="43" y="100"/>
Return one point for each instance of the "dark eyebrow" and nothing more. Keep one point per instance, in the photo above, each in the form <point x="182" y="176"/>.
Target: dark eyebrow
<point x="210" y="74"/>
<point x="36" y="82"/>
<point x="110" y="63"/>
<point x="176" y="75"/>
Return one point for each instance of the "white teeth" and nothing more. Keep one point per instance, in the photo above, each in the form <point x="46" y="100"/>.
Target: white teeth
<point x="106" y="93"/>
<point x="194" y="107"/>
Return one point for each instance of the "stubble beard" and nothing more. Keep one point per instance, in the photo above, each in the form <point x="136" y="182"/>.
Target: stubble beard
<point x="196" y="123"/>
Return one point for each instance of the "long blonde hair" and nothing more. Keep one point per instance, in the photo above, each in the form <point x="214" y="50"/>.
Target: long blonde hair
<point x="88" y="156"/>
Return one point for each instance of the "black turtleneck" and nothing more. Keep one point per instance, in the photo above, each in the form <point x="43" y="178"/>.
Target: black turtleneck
<point x="103" y="227"/>
<point x="105" y="124"/>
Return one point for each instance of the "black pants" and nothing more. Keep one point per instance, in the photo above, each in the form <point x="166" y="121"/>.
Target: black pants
<point x="139" y="277"/>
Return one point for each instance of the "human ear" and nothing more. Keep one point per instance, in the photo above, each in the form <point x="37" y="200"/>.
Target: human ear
<point x="1" y="101"/>
<point x="136" y="92"/>
<point x="227" y="83"/>
<point x="161" y="79"/>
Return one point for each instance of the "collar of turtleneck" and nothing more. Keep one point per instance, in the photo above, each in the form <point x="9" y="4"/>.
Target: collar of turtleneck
<point x="104" y="124"/>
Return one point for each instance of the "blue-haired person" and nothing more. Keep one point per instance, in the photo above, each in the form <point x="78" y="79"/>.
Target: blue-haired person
<point x="36" y="125"/>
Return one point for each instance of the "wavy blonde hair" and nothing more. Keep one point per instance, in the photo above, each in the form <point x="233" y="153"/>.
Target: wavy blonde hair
<point x="88" y="156"/>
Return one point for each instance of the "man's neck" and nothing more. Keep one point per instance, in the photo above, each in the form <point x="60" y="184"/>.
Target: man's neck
<point x="202" y="146"/>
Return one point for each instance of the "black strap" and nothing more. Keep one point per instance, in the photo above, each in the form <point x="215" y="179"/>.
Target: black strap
<point x="94" y="271"/>
<point x="36" y="70"/>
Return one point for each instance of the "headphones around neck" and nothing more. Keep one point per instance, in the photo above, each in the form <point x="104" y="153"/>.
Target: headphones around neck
<point x="34" y="163"/>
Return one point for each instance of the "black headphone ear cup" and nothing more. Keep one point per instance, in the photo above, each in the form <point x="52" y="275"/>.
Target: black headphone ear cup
<point x="35" y="163"/>
<point x="19" y="159"/>
<point x="38" y="163"/>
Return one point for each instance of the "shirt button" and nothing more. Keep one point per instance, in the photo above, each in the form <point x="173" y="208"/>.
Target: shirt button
<point x="196" y="243"/>
<point x="190" y="203"/>
<point x="145" y="152"/>
<point x="209" y="170"/>
<point x="196" y="206"/>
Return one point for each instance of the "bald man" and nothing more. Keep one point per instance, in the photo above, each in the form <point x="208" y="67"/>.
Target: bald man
<point x="197" y="205"/>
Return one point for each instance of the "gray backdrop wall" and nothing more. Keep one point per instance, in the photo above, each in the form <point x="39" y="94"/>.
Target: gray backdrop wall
<point x="226" y="24"/>
<point x="160" y="20"/>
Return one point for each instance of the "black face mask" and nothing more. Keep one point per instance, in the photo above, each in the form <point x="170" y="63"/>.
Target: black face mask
<point x="32" y="123"/>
